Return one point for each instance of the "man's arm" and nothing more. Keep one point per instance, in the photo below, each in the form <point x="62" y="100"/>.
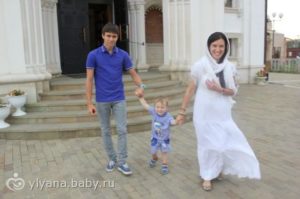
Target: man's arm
<point x="89" y="91"/>
<point x="138" y="81"/>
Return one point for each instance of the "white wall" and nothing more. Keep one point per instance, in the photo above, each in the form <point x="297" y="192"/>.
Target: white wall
<point x="11" y="37"/>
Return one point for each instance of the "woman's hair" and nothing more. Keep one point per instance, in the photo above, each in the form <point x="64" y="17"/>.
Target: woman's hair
<point x="109" y="27"/>
<point x="216" y="36"/>
<point x="161" y="100"/>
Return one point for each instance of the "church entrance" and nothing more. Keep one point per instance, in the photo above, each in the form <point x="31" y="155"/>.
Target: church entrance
<point x="80" y="23"/>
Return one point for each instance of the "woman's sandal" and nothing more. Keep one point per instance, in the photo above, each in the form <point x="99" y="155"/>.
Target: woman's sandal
<point x="206" y="185"/>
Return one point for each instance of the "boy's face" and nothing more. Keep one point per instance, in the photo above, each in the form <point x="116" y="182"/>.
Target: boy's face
<point x="160" y="108"/>
<point x="110" y="39"/>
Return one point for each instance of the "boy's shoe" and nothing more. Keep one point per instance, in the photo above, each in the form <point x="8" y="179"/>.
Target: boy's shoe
<point x="110" y="166"/>
<point x="164" y="169"/>
<point x="152" y="163"/>
<point x="125" y="169"/>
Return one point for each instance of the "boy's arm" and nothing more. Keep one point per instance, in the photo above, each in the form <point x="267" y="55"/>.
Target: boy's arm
<point x="144" y="103"/>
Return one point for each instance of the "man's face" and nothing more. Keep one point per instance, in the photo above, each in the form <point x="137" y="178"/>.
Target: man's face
<point x="109" y="39"/>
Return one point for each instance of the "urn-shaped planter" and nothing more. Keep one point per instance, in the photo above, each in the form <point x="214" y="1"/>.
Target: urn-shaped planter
<point x="18" y="102"/>
<point x="260" y="80"/>
<point x="4" y="113"/>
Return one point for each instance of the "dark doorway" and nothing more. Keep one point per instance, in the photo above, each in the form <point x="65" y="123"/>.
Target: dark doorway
<point x="73" y="23"/>
<point x="80" y="24"/>
<point x="99" y="15"/>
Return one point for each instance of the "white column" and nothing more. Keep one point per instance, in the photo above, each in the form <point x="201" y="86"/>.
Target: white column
<point x="33" y="36"/>
<point x="138" y="38"/>
<point x="176" y="35"/>
<point x="206" y="17"/>
<point x="166" y="25"/>
<point x="50" y="29"/>
<point x="23" y="66"/>
<point x="132" y="33"/>
<point x="141" y="35"/>
<point x="12" y="39"/>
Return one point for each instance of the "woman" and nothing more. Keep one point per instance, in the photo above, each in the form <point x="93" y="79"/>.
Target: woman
<point x="222" y="147"/>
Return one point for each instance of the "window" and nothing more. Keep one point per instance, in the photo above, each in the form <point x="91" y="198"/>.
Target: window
<point x="233" y="48"/>
<point x="228" y="3"/>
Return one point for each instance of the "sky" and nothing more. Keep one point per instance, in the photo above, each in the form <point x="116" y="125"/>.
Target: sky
<point x="289" y="25"/>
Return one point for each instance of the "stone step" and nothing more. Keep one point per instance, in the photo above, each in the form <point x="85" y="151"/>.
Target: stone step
<point x="62" y="112"/>
<point x="71" y="130"/>
<point x="68" y="83"/>
<point x="129" y="91"/>
<point x="80" y="115"/>
<point x="80" y="104"/>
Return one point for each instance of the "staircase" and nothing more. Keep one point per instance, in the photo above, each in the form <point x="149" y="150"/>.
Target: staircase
<point x="62" y="112"/>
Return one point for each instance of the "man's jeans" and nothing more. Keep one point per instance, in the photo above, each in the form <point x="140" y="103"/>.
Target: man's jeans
<point x="118" y="109"/>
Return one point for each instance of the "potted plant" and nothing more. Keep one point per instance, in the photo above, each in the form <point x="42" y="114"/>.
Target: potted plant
<point x="260" y="78"/>
<point x="17" y="98"/>
<point x="4" y="113"/>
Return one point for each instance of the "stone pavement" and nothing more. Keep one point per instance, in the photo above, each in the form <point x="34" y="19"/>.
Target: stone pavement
<point x="268" y="115"/>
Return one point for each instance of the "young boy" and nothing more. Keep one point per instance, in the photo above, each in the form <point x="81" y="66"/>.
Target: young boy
<point x="160" y="137"/>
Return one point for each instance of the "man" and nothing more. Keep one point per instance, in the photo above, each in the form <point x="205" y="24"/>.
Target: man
<point x="104" y="67"/>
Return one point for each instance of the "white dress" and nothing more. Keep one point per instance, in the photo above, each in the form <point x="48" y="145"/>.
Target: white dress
<point x="222" y="147"/>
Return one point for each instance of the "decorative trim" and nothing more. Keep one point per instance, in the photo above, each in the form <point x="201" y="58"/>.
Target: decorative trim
<point x="153" y="8"/>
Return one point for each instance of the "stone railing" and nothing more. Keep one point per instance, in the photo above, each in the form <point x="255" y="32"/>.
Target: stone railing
<point x="286" y="65"/>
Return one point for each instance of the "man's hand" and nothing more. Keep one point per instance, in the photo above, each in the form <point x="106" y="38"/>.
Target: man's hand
<point x="91" y="109"/>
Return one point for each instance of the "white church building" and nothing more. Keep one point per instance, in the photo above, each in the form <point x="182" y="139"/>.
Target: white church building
<point x="41" y="39"/>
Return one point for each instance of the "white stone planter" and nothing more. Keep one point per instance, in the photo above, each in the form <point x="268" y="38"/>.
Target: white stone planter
<point x="18" y="102"/>
<point x="260" y="81"/>
<point x="4" y="113"/>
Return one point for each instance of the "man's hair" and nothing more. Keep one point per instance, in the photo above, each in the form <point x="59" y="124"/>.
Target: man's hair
<point x="216" y="36"/>
<point x="161" y="100"/>
<point x="109" y="27"/>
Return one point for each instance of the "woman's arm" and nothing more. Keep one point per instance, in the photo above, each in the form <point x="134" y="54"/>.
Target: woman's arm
<point x="189" y="92"/>
<point x="213" y="85"/>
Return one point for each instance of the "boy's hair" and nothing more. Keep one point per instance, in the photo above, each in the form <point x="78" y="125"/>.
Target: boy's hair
<point x="109" y="27"/>
<point x="161" y="100"/>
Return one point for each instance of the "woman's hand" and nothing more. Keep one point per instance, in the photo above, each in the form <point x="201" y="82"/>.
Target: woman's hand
<point x="213" y="85"/>
<point x="180" y="119"/>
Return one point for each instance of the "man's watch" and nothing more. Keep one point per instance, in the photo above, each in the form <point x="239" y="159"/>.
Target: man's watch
<point x="142" y="86"/>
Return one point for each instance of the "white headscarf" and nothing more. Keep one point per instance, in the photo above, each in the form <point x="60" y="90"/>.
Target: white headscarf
<point x="211" y="67"/>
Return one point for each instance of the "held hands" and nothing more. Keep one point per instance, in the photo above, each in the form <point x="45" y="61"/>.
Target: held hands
<point x="213" y="85"/>
<point x="139" y="92"/>
<point x="180" y="119"/>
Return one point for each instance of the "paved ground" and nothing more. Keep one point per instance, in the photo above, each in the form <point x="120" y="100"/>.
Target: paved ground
<point x="268" y="115"/>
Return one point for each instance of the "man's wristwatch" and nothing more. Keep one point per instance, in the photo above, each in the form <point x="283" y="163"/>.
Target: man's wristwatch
<point x="142" y="86"/>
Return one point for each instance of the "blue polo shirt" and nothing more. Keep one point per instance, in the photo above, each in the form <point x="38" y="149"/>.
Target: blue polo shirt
<point x="108" y="72"/>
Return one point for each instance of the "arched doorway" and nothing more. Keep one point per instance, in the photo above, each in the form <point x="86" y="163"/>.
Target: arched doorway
<point x="154" y="35"/>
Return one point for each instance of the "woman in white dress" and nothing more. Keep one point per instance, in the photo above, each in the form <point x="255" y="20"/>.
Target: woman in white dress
<point x="221" y="146"/>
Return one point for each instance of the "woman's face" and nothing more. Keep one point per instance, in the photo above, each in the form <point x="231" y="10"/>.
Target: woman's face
<point x="217" y="49"/>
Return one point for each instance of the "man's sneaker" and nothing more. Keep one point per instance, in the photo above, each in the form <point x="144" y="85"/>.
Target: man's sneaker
<point x="164" y="169"/>
<point x="124" y="169"/>
<point x="110" y="166"/>
<point x="152" y="163"/>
